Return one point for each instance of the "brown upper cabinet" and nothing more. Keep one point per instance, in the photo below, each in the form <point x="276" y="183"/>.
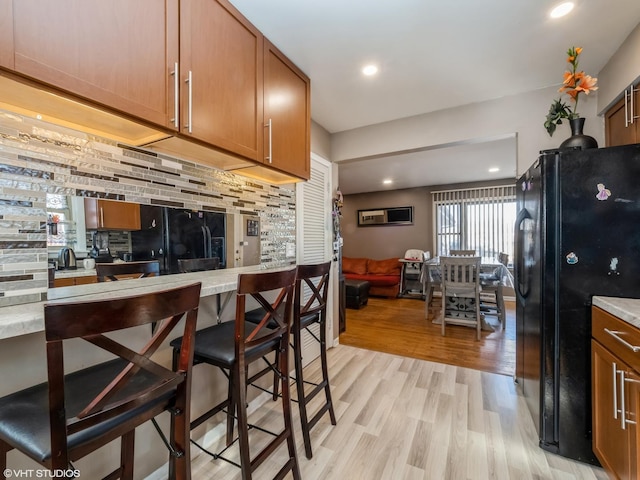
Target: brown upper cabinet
<point x="197" y="69"/>
<point x="117" y="53"/>
<point x="102" y="214"/>
<point x="221" y="77"/>
<point x="622" y="121"/>
<point x="287" y="114"/>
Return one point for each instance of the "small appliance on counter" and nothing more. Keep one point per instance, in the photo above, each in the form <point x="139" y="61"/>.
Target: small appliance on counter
<point x="67" y="259"/>
<point x="100" y="250"/>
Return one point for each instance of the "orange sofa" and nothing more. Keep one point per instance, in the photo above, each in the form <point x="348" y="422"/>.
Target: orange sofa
<point x="382" y="275"/>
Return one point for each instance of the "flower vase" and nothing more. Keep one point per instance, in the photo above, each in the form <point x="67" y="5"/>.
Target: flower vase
<point x="577" y="139"/>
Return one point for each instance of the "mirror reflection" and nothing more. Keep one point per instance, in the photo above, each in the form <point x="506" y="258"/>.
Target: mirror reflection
<point x="109" y="231"/>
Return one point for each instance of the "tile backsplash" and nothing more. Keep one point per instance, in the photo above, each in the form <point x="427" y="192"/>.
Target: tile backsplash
<point x="37" y="158"/>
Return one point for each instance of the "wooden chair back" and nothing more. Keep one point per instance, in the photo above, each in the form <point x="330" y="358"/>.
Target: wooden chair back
<point x="462" y="253"/>
<point x="460" y="283"/>
<point x="115" y="271"/>
<point x="312" y="290"/>
<point x="137" y="388"/>
<point x="460" y="272"/>
<point x="277" y="319"/>
<point x="186" y="265"/>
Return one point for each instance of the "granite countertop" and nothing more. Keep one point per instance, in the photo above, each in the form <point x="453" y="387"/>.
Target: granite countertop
<point x="627" y="309"/>
<point x="28" y="318"/>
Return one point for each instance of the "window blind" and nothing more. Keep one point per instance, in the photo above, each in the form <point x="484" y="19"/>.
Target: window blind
<point x="480" y="219"/>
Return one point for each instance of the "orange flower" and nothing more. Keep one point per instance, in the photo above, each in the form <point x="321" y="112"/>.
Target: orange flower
<point x="573" y="84"/>
<point x="587" y="84"/>
<point x="573" y="54"/>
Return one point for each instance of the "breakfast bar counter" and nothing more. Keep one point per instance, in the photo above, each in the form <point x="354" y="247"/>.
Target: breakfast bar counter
<point x="22" y="351"/>
<point x="28" y="318"/>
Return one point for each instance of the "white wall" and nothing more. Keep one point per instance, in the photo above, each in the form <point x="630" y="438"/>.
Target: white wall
<point x="522" y="114"/>
<point x="622" y="70"/>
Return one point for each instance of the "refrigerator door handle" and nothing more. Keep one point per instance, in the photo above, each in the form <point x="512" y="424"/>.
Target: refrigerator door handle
<point x="205" y="247"/>
<point x="208" y="247"/>
<point x="522" y="290"/>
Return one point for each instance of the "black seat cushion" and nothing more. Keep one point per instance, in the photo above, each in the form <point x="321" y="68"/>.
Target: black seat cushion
<point x="216" y="345"/>
<point x="24" y="415"/>
<point x="254" y="316"/>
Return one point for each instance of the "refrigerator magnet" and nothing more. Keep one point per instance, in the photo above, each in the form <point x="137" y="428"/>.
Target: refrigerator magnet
<point x="572" y="258"/>
<point x="613" y="267"/>
<point x="603" y="193"/>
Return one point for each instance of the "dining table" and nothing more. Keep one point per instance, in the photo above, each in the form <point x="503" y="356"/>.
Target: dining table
<point x="492" y="272"/>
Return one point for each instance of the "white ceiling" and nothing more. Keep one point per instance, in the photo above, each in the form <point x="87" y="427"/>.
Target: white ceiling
<point x="432" y="56"/>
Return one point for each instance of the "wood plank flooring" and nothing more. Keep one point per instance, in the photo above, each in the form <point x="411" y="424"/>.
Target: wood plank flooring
<point x="398" y="326"/>
<point x="406" y="418"/>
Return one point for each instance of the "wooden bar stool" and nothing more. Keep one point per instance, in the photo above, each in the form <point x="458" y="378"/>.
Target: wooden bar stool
<point x="310" y="308"/>
<point x="186" y="265"/>
<point x="113" y="271"/>
<point x="72" y="415"/>
<point x="233" y="346"/>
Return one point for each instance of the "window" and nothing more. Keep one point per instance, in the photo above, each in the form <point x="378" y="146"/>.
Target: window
<point x="481" y="219"/>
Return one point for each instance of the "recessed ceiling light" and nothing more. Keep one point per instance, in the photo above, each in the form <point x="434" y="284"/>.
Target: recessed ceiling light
<point x="561" y="10"/>
<point x="370" y="70"/>
<point x="494" y="170"/>
<point x="387" y="182"/>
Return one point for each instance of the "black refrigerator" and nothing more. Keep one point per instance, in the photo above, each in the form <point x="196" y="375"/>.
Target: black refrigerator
<point x="577" y="235"/>
<point x="168" y="234"/>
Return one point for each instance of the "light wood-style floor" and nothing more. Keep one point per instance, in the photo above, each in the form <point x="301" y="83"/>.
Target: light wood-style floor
<point x="405" y="418"/>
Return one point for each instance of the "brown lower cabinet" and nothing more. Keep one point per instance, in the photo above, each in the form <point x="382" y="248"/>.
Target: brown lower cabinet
<point x="71" y="281"/>
<point x="615" y="394"/>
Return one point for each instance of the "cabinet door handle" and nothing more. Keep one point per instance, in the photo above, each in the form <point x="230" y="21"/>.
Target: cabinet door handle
<point x="270" y="156"/>
<point x="189" y="80"/>
<point x="176" y="86"/>
<point x="626" y="110"/>
<point x="626" y="420"/>
<point x="615" y="334"/>
<point x="615" y="390"/>
<point x="623" y="424"/>
<point x="633" y="115"/>
<point x="101" y="217"/>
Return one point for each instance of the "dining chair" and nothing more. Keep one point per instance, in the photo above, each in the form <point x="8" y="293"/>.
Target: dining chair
<point x="432" y="286"/>
<point x="461" y="292"/>
<point x="186" y="265"/>
<point x="116" y="271"/>
<point x="73" y="414"/>
<point x="232" y="346"/>
<point x="492" y="295"/>
<point x="462" y="253"/>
